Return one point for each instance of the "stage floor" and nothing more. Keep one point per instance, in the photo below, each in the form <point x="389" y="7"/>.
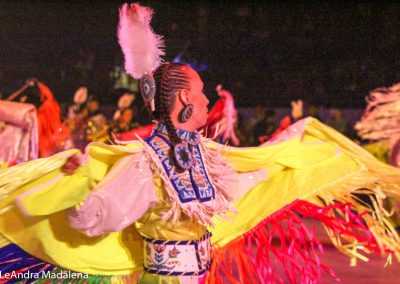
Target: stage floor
<point x="373" y="271"/>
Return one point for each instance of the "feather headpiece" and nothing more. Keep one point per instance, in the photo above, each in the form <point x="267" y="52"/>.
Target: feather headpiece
<point x="142" y="48"/>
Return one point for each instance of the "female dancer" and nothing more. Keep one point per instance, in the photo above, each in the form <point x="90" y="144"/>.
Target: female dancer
<point x="148" y="209"/>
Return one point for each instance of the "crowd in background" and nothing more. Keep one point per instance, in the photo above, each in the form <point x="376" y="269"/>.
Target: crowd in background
<point x="254" y="125"/>
<point x="258" y="124"/>
<point x="265" y="53"/>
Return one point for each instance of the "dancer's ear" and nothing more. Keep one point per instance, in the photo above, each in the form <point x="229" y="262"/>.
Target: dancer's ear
<point x="184" y="96"/>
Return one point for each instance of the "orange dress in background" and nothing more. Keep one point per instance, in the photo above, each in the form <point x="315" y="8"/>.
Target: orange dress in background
<point x="49" y="117"/>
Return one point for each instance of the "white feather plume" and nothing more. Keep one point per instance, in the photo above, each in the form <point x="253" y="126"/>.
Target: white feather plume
<point x="142" y="48"/>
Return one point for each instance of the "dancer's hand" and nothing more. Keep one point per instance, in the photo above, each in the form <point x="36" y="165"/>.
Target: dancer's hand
<point x="71" y="165"/>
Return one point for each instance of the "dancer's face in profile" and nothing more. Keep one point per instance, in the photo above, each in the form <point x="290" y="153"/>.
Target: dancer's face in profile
<point x="197" y="98"/>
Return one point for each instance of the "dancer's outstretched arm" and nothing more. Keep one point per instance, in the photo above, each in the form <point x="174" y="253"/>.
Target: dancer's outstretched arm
<point x="120" y="199"/>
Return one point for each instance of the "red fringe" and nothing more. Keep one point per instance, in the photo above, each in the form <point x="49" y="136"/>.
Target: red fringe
<point x="254" y="258"/>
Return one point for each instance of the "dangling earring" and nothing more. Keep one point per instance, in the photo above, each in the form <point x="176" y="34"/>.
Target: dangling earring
<point x="186" y="113"/>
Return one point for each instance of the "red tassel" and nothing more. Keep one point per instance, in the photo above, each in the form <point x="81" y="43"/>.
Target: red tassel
<point x="254" y="258"/>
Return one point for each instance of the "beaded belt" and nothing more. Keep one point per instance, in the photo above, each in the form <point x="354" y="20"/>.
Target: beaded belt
<point x="178" y="258"/>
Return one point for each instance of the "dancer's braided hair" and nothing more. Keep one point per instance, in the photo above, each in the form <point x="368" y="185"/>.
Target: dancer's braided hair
<point x="169" y="78"/>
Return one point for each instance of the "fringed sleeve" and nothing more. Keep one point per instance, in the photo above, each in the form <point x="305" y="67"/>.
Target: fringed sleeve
<point x="314" y="173"/>
<point x="234" y="184"/>
<point x="120" y="199"/>
<point x="43" y="193"/>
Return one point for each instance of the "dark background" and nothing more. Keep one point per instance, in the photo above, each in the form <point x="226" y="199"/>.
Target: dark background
<point x="327" y="53"/>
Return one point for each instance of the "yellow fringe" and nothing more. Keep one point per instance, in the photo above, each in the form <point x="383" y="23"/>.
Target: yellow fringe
<point x="377" y="189"/>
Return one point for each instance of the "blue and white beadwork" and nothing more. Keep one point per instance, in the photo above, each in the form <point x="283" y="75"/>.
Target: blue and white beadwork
<point x="192" y="184"/>
<point x="183" y="156"/>
<point x="177" y="258"/>
<point x="147" y="87"/>
<point x="192" y="137"/>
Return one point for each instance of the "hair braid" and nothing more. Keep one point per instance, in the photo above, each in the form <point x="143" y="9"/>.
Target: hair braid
<point x="165" y="103"/>
<point x="169" y="79"/>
